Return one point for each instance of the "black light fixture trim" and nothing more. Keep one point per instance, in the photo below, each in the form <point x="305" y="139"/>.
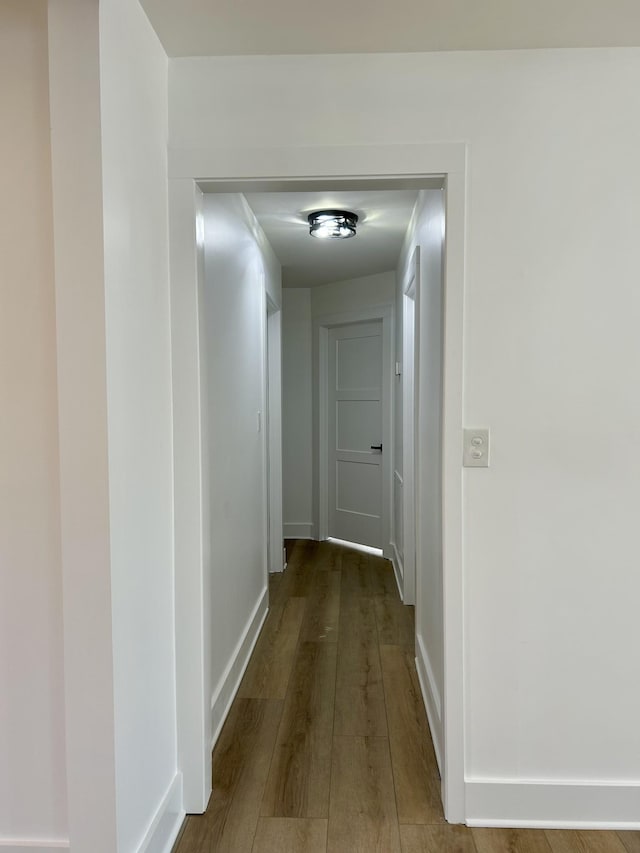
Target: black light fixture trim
<point x="332" y="224"/>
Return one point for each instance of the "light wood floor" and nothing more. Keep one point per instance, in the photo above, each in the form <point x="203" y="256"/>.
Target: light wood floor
<point x="327" y="747"/>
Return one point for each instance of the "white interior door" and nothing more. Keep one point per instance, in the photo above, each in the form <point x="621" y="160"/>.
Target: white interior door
<point x="355" y="429"/>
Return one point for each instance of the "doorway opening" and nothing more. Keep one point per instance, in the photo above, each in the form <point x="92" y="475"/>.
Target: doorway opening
<point x="447" y="163"/>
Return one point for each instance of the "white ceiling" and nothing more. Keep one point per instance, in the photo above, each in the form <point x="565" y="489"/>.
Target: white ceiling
<point x="228" y="27"/>
<point x="306" y="261"/>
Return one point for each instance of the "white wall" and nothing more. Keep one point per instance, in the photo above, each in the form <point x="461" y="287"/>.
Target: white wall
<point x="427" y="232"/>
<point x="33" y="796"/>
<point x="551" y="349"/>
<point x="351" y="294"/>
<point x="134" y="128"/>
<point x="240" y="269"/>
<point x="297" y="426"/>
<point x="76" y="159"/>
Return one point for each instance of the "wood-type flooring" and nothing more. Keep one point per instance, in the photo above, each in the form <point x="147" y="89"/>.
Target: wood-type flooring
<point x="327" y="748"/>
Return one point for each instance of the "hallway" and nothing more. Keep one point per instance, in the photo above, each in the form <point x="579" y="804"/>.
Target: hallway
<point x="326" y="748"/>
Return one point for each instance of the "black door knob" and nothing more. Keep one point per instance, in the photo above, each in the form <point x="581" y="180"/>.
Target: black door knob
<point x="376" y="447"/>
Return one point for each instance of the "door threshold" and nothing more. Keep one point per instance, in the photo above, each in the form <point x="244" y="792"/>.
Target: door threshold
<point x="368" y="549"/>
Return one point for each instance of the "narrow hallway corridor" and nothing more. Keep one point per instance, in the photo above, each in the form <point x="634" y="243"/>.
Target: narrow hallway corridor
<point x="327" y="745"/>
<point x="327" y="748"/>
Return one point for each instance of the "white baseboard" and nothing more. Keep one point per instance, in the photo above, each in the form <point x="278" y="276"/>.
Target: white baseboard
<point x="431" y="697"/>
<point x="166" y="823"/>
<point x="28" y="845"/>
<point x="398" y="570"/>
<point x="299" y="530"/>
<point x="226" y="689"/>
<point x="553" y="805"/>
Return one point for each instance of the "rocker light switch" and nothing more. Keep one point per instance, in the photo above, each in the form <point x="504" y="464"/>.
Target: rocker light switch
<point x="476" y="448"/>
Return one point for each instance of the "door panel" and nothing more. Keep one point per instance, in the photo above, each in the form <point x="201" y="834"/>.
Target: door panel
<point x="359" y="361"/>
<point x="358" y="488"/>
<point x="354" y="418"/>
<point x="355" y="423"/>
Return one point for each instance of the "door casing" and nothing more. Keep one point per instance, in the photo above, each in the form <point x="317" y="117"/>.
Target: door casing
<point x="327" y="167"/>
<point x="410" y="378"/>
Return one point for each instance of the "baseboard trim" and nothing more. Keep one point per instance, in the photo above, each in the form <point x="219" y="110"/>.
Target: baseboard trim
<point x="431" y="697"/>
<point x="167" y="821"/>
<point x="552" y="805"/>
<point x="227" y="687"/>
<point x="398" y="569"/>
<point x="28" y="845"/>
<point x="299" y="531"/>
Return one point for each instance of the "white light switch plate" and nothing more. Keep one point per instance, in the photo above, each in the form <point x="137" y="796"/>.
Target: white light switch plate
<point x="476" y="448"/>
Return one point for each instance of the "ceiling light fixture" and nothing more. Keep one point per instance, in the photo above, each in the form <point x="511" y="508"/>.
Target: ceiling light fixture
<point x="332" y="224"/>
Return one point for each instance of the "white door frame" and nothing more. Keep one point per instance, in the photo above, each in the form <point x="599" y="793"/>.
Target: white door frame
<point x="301" y="168"/>
<point x="322" y="325"/>
<point x="410" y="391"/>
<point x="273" y="432"/>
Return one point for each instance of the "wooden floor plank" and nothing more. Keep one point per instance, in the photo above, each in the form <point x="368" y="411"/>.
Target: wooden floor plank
<point x="240" y="767"/>
<point x="328" y="557"/>
<point x="356" y="581"/>
<point x="436" y="839"/>
<point x="269" y="669"/>
<point x="299" y="583"/>
<point x="290" y="835"/>
<point x="631" y="840"/>
<point x="321" y="618"/>
<point x="395" y="621"/>
<point x="381" y="578"/>
<point x="362" y="817"/>
<point x="275" y="581"/>
<point x="360" y="706"/>
<point x="583" y="841"/>
<point x="305" y="559"/>
<point x="415" y="773"/>
<point x="511" y="841"/>
<point x="303" y="555"/>
<point x="289" y="545"/>
<point x="298" y="783"/>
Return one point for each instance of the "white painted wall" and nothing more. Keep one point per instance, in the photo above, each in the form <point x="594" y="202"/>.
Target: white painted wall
<point x="76" y="159"/>
<point x="551" y="349"/>
<point x="351" y="294"/>
<point x="33" y="795"/>
<point x="297" y="427"/>
<point x="427" y="232"/>
<point x="134" y="128"/>
<point x="240" y="269"/>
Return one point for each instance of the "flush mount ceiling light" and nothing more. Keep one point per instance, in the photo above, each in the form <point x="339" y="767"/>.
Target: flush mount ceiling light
<point x="332" y="224"/>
